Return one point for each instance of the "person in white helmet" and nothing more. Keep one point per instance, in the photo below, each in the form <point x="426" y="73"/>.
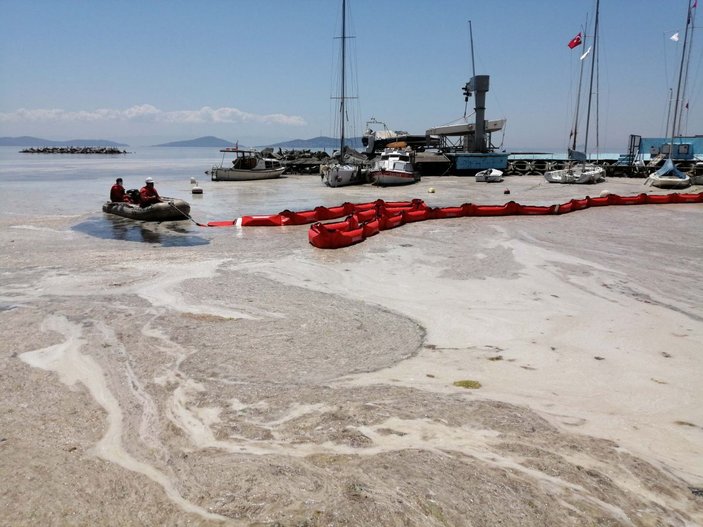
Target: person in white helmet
<point x="147" y="194"/>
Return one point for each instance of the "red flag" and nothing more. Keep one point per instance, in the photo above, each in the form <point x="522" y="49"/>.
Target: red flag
<point x="576" y="41"/>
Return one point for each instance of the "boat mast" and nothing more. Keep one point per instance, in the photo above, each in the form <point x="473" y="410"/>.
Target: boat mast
<point x="590" y="89"/>
<point x="574" y="132"/>
<point x="344" y="66"/>
<point x="681" y="78"/>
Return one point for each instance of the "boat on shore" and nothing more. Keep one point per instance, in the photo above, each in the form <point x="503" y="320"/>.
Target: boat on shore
<point x="346" y="167"/>
<point x="395" y="167"/>
<point x="668" y="176"/>
<point x="579" y="170"/>
<point x="247" y="165"/>
<point x="169" y="209"/>
<point x="492" y="175"/>
<point x="582" y="174"/>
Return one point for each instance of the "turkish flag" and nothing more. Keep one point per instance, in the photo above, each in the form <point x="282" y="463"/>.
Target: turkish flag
<point x="576" y="41"/>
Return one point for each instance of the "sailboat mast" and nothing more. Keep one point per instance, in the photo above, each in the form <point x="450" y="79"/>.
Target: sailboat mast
<point x="593" y="66"/>
<point x="681" y="76"/>
<point x="574" y="132"/>
<point x="344" y="67"/>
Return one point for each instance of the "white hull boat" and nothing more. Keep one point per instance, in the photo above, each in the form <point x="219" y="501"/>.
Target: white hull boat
<point x="580" y="174"/>
<point x="247" y="165"/>
<point x="341" y="175"/>
<point x="580" y="170"/>
<point x="492" y="175"/>
<point x="395" y="167"/>
<point x="668" y="176"/>
<point x="346" y="166"/>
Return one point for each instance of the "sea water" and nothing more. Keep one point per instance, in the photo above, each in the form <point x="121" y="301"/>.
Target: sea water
<point x="75" y="186"/>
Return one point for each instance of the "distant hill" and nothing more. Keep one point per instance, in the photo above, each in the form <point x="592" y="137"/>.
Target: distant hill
<point x="36" y="141"/>
<point x="208" y="141"/>
<point x="319" y="142"/>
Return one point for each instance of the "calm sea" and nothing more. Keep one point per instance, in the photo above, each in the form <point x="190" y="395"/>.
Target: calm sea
<point x="76" y="186"/>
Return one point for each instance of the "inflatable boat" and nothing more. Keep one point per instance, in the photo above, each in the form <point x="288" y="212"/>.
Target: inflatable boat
<point x="170" y="209"/>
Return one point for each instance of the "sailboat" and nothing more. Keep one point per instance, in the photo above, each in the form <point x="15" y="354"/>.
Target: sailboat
<point x="668" y="176"/>
<point x="579" y="170"/>
<point x="342" y="171"/>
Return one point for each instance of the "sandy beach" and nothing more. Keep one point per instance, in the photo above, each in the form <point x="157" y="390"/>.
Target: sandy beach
<point x="168" y="374"/>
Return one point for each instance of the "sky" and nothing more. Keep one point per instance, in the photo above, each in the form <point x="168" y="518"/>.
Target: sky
<point x="262" y="71"/>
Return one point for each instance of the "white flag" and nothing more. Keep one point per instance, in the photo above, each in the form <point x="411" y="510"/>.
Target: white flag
<point x="675" y="37"/>
<point x="586" y="54"/>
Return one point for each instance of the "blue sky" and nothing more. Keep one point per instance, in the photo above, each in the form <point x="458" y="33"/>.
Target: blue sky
<point x="261" y="71"/>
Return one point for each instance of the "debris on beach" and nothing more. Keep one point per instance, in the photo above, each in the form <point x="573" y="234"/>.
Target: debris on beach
<point x="468" y="384"/>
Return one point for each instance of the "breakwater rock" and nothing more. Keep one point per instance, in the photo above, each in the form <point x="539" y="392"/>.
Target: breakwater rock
<point x="73" y="150"/>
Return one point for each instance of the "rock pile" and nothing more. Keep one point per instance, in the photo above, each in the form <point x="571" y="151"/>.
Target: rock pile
<point x="73" y="150"/>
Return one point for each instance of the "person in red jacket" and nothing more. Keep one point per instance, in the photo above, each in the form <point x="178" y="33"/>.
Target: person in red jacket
<point x="117" y="192"/>
<point x="148" y="195"/>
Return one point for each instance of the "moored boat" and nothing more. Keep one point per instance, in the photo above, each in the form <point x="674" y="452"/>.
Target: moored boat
<point x="580" y="174"/>
<point x="170" y="209"/>
<point x="395" y="167"/>
<point x="345" y="168"/>
<point x="668" y="176"/>
<point x="579" y="170"/>
<point x="492" y="175"/>
<point x="248" y="164"/>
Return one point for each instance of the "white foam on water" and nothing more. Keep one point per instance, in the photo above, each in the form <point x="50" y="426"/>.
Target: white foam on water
<point x="73" y="367"/>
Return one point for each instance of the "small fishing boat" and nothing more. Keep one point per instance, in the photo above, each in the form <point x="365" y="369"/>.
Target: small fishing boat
<point x="248" y="164"/>
<point x="492" y="175"/>
<point x="170" y="209"/>
<point x="395" y="167"/>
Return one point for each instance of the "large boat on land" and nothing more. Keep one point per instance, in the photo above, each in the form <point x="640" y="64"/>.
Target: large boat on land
<point x="248" y="164"/>
<point x="394" y="167"/>
<point x="169" y="209"/>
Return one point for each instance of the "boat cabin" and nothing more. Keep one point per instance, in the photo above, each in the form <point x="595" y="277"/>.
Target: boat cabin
<point x="250" y="160"/>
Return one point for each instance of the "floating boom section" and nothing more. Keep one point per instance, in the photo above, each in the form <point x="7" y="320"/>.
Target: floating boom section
<point x="363" y="220"/>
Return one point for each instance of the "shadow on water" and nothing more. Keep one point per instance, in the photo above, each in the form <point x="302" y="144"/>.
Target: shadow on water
<point x="167" y="233"/>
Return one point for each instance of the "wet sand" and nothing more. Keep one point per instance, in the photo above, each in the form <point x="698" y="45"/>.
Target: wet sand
<point x="173" y="375"/>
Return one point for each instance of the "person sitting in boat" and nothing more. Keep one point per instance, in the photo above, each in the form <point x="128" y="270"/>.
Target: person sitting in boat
<point x="147" y="194"/>
<point x="117" y="192"/>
